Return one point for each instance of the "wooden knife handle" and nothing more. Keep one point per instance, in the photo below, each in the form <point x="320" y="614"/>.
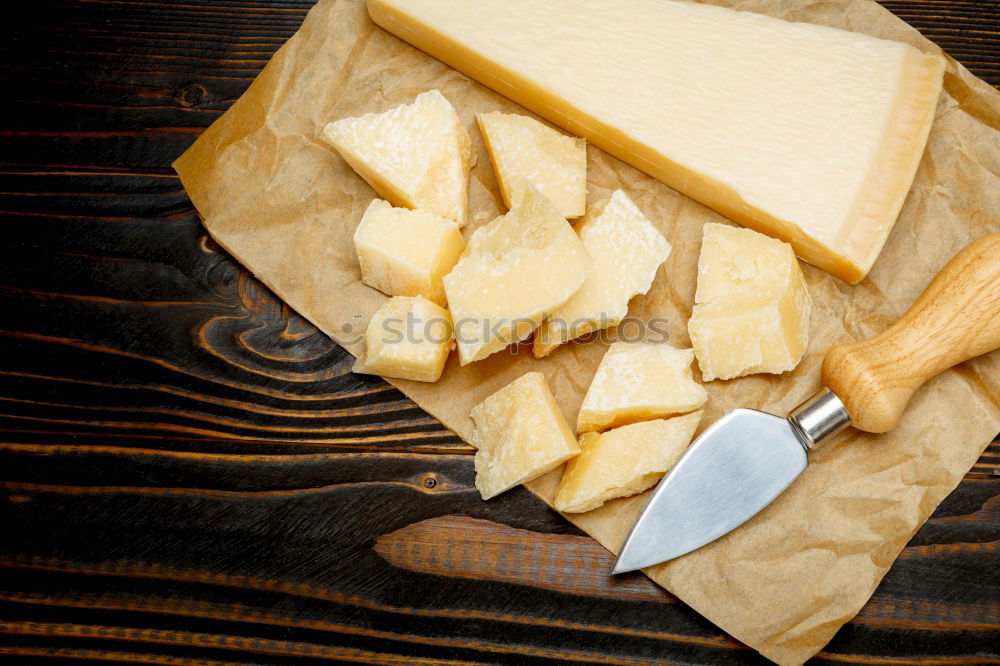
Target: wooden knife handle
<point x="956" y="318"/>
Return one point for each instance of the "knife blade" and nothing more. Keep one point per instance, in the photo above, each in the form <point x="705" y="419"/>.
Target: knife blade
<point x="746" y="459"/>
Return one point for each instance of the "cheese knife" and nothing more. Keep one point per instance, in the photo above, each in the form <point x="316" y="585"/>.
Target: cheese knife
<point x="743" y="461"/>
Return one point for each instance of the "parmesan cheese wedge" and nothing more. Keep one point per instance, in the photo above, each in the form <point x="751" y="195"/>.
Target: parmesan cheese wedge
<point x="626" y="249"/>
<point x="520" y="434"/>
<point x="515" y="271"/>
<point x="521" y="147"/>
<point x="637" y="381"/>
<point x="405" y="252"/>
<point x="752" y="305"/>
<point x="623" y="461"/>
<point x="407" y="338"/>
<point x="804" y="132"/>
<point x="417" y="155"/>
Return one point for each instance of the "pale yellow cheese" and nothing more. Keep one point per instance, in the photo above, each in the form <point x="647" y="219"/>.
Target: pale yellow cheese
<point x="416" y="155"/>
<point x="637" y="381"/>
<point x="520" y="434"/>
<point x="753" y="305"/>
<point x="804" y="132"/>
<point x="740" y="260"/>
<point x="626" y="249"/>
<point x="406" y="252"/>
<point x="623" y="461"/>
<point x="521" y="147"/>
<point x="515" y="271"/>
<point x="407" y="338"/>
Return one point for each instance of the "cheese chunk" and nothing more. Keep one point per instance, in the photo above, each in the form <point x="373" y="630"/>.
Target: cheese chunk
<point x="520" y="434"/>
<point x="637" y="381"/>
<point x="406" y="252"/>
<point x="623" y="461"/>
<point x="522" y="147"/>
<point x="753" y="305"/>
<point x="804" y="132"/>
<point x="407" y="338"/>
<point x="626" y="249"/>
<point x="417" y="155"/>
<point x="515" y="271"/>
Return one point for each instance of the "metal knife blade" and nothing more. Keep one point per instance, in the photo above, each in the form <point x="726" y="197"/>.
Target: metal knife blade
<point x="731" y="471"/>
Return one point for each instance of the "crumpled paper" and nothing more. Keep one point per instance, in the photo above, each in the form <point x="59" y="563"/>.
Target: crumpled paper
<point x="286" y="206"/>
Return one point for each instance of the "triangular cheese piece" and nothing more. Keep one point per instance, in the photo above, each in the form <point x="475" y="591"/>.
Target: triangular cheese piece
<point x="637" y="381"/>
<point x="520" y="434"/>
<point x="522" y="147"/>
<point x="416" y="155"/>
<point x="623" y="461"/>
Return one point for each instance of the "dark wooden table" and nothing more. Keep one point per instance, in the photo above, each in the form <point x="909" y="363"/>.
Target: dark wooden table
<point x="191" y="474"/>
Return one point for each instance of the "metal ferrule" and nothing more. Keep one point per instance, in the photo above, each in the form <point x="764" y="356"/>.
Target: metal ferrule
<point x="820" y="417"/>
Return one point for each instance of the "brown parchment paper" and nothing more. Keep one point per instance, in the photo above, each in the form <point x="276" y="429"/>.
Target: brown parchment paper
<point x="286" y="206"/>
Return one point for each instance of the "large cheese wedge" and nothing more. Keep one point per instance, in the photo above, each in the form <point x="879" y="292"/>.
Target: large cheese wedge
<point x="637" y="381"/>
<point x="522" y="147"/>
<point x="623" y="461"/>
<point x="520" y="434"/>
<point x="752" y="305"/>
<point x="407" y="338"/>
<point x="405" y="252"/>
<point x="515" y="271"/>
<point x="626" y="249"/>
<point x="804" y="132"/>
<point x="416" y="155"/>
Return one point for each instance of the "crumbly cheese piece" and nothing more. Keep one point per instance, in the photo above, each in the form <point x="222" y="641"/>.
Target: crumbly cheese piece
<point x="752" y="305"/>
<point x="520" y="434"/>
<point x="406" y="252"/>
<point x="522" y="147"/>
<point x="407" y="338"/>
<point x="623" y="461"/>
<point x="416" y="155"/>
<point x="515" y="271"/>
<point x="804" y="132"/>
<point x="739" y="260"/>
<point x="626" y="249"/>
<point x="637" y="381"/>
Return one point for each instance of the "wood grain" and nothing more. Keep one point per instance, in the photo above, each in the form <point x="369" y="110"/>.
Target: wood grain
<point x="189" y="472"/>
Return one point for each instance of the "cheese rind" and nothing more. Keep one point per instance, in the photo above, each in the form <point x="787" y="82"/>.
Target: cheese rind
<point x="520" y="434"/>
<point x="627" y="250"/>
<point x="637" y="381"/>
<point x="407" y="338"/>
<point x="623" y="461"/>
<point x="523" y="148"/>
<point x="753" y="306"/>
<point x="515" y="271"/>
<point x="416" y="155"/>
<point x="405" y="252"/>
<point x="742" y="112"/>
